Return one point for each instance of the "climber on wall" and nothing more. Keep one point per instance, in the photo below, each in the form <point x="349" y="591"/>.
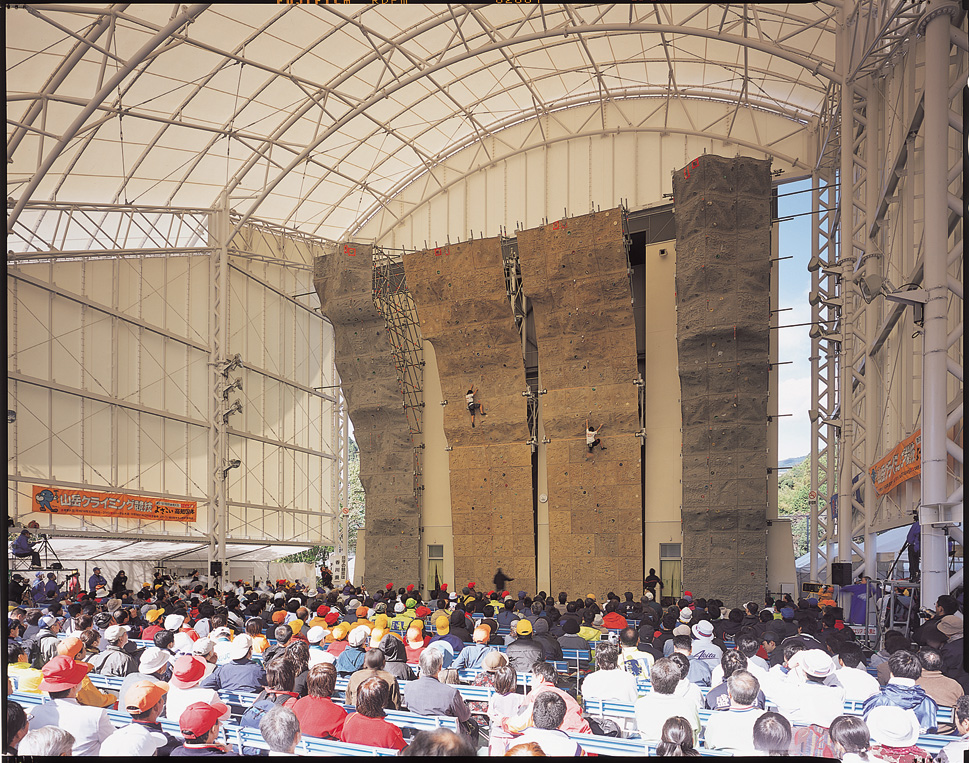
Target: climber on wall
<point x="473" y="406"/>
<point x="591" y="436"/>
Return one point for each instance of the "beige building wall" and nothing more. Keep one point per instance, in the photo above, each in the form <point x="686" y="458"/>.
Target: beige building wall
<point x="436" y="505"/>
<point x="663" y="471"/>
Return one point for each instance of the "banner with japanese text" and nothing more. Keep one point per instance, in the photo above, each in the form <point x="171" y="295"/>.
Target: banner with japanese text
<point x="902" y="463"/>
<point x="68" y="500"/>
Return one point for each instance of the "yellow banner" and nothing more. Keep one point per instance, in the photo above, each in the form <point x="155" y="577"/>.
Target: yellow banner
<point x="902" y="463"/>
<point x="68" y="500"/>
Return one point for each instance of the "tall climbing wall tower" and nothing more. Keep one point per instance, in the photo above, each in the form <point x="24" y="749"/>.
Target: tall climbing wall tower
<point x="575" y="272"/>
<point x="722" y="212"/>
<point x="365" y="361"/>
<point x="465" y="313"/>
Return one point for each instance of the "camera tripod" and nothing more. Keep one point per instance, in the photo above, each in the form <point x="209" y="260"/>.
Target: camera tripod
<point x="48" y="551"/>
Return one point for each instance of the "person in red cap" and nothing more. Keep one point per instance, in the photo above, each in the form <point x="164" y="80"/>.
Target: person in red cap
<point x="89" y="726"/>
<point x="183" y="687"/>
<point x="200" y="723"/>
<point x="410" y="588"/>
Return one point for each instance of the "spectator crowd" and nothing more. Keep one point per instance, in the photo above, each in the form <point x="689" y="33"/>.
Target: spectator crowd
<point x="682" y="676"/>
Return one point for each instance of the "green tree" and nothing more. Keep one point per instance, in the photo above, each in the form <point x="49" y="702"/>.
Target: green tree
<point x="793" y="490"/>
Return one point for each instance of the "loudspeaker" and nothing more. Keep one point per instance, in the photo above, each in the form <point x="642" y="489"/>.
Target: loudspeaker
<point x="216" y="568"/>
<point x="841" y="573"/>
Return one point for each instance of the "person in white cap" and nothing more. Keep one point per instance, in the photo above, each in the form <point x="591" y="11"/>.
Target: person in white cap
<point x="703" y="647"/>
<point x="241" y="673"/>
<point x="114" y="660"/>
<point x="812" y="695"/>
<point x="894" y="732"/>
<point x="222" y="639"/>
<point x="153" y="665"/>
<point x="318" y="654"/>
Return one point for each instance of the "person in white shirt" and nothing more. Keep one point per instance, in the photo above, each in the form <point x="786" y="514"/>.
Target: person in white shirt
<point x="89" y="726"/>
<point x="956" y="750"/>
<point x="548" y="712"/>
<point x="733" y="729"/>
<point x="183" y="687"/>
<point x="661" y="703"/>
<point x="858" y="683"/>
<point x="318" y="653"/>
<point x="704" y="649"/>
<point x="812" y="696"/>
<point x="686" y="688"/>
<point x="609" y="681"/>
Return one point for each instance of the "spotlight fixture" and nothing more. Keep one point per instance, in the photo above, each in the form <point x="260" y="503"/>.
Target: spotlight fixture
<point x="237" y="384"/>
<point x="231" y="365"/>
<point x="817" y="332"/>
<point x="11" y="415"/>
<point x="235" y="463"/>
<point x="236" y="407"/>
<point x="814" y="264"/>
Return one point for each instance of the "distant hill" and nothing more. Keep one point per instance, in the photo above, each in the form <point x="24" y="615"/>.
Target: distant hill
<point x="792" y="461"/>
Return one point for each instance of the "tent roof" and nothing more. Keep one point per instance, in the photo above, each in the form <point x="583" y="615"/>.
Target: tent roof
<point x="90" y="549"/>
<point x="314" y="116"/>
<point x="888" y="541"/>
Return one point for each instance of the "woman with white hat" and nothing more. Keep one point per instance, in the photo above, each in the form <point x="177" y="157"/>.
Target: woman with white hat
<point x="894" y="732"/>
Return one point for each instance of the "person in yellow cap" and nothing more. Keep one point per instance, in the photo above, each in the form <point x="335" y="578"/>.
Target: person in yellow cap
<point x="338" y="640"/>
<point x="524" y="651"/>
<point x="87" y="694"/>
<point x="155" y="624"/>
<point x="443" y="628"/>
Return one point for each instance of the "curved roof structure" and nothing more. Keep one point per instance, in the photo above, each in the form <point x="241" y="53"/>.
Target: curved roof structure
<point x="315" y="116"/>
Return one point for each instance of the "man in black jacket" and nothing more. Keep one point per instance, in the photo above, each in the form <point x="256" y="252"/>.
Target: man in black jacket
<point x="524" y="651"/>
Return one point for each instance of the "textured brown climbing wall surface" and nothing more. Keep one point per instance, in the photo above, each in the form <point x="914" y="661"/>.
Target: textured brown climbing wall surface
<point x="722" y="296"/>
<point x="465" y="313"/>
<point x="365" y="363"/>
<point x="575" y="273"/>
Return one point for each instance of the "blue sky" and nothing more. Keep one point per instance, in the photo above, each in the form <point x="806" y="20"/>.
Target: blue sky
<point x="794" y="381"/>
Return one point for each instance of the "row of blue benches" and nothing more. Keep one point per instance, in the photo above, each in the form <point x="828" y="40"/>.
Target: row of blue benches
<point x="932" y="743"/>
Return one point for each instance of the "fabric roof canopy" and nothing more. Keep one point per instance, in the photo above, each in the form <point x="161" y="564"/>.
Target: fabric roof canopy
<point x="314" y="116"/>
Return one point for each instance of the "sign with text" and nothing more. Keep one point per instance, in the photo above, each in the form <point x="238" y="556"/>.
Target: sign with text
<point x="902" y="463"/>
<point x="68" y="500"/>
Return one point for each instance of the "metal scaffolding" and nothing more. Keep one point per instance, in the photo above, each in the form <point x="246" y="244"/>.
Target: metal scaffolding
<point x="859" y="235"/>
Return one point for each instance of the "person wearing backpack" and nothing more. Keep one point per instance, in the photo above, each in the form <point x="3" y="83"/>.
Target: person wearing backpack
<point x="280" y="679"/>
<point x="44" y="644"/>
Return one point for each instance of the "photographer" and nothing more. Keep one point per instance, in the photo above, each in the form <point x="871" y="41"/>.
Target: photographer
<point x="22" y="548"/>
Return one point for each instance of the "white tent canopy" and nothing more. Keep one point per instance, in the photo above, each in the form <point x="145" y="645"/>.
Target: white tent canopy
<point x="889" y="541"/>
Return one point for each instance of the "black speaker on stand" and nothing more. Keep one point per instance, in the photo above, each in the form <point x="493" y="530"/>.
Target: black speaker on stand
<point x="216" y="569"/>
<point x="841" y="573"/>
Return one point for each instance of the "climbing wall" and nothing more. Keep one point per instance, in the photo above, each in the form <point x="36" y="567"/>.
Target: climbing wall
<point x="364" y="359"/>
<point x="574" y="271"/>
<point x="466" y="315"/>
<point x="722" y="296"/>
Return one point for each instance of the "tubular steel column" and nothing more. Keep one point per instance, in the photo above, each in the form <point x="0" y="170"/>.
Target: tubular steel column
<point x="937" y="24"/>
<point x="873" y="372"/>
<point x="219" y="228"/>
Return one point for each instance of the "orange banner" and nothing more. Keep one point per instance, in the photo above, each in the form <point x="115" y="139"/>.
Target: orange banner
<point x="68" y="500"/>
<point x="902" y="463"/>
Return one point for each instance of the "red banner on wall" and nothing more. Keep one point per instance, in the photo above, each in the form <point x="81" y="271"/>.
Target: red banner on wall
<point x="902" y="463"/>
<point x="68" y="500"/>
